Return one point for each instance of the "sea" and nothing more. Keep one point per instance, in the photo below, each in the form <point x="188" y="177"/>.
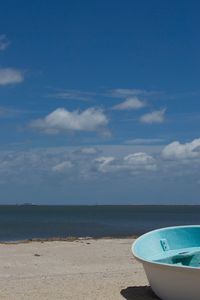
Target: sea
<point x="27" y="222"/>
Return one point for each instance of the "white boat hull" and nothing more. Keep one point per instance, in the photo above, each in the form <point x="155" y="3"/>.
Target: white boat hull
<point x="173" y="283"/>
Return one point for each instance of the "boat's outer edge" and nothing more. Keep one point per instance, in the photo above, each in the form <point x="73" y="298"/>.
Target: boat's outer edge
<point x="159" y="264"/>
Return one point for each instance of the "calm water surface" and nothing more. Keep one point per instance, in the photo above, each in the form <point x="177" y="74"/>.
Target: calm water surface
<point x="27" y="222"/>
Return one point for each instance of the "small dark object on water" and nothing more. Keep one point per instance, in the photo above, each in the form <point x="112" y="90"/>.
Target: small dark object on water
<point x="36" y="254"/>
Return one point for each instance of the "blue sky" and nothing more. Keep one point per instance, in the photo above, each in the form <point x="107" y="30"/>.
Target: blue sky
<point x="99" y="102"/>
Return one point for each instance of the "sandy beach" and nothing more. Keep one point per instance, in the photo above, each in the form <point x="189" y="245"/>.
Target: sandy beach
<point x="79" y="270"/>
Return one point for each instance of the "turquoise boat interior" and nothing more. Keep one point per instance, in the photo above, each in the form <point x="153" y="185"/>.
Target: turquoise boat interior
<point x="178" y="246"/>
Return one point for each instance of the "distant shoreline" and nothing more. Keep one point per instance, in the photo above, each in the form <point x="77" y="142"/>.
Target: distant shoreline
<point x="67" y="239"/>
<point x="96" y="205"/>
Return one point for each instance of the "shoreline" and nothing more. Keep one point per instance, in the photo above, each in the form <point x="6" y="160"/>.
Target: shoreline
<point x="66" y="239"/>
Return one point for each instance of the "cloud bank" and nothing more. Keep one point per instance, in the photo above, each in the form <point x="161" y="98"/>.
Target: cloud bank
<point x="58" y="160"/>
<point x="104" y="173"/>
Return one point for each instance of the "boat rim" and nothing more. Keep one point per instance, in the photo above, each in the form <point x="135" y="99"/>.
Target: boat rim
<point x="139" y="258"/>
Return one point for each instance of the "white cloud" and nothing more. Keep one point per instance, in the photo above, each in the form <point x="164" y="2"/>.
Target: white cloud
<point x="62" y="167"/>
<point x="156" y="116"/>
<point x="72" y="95"/>
<point x="144" y="141"/>
<point x="123" y="93"/>
<point x="61" y="119"/>
<point x="126" y="92"/>
<point x="132" y="103"/>
<point x="104" y="163"/>
<point x="4" y="42"/>
<point x="140" y="159"/>
<point x="133" y="162"/>
<point x="176" y="150"/>
<point x="10" y="76"/>
<point x="89" y="150"/>
<point x="7" y="112"/>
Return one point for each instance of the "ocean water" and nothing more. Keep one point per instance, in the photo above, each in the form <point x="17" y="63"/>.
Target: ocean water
<point x="30" y="221"/>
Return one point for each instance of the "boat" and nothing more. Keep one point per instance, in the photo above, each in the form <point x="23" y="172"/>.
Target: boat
<point x="171" y="260"/>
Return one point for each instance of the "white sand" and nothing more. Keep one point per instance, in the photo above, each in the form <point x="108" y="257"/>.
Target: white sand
<point x="79" y="270"/>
